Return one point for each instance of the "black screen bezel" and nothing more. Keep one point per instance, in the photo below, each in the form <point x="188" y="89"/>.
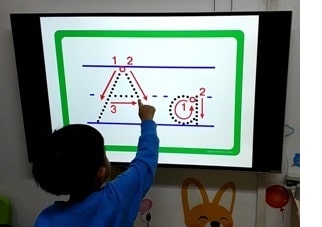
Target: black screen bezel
<point x="271" y="82"/>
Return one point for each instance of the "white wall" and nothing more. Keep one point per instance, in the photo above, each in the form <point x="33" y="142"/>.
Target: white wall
<point x="15" y="179"/>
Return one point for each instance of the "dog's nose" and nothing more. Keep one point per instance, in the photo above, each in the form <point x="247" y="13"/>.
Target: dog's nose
<point x="214" y="224"/>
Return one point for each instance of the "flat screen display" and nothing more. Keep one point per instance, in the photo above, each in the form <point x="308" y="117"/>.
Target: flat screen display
<point x="203" y="72"/>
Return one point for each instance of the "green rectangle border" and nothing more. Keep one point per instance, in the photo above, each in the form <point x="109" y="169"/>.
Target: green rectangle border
<point x="236" y="34"/>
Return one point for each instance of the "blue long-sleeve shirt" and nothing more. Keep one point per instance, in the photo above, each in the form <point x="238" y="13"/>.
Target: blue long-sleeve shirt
<point x="116" y="204"/>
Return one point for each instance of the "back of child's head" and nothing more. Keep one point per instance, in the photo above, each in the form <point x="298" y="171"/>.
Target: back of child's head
<point x="68" y="160"/>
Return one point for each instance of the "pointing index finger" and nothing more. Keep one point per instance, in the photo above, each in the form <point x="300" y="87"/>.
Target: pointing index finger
<point x="140" y="103"/>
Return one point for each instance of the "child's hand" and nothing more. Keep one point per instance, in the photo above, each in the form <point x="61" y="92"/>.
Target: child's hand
<point x="146" y="112"/>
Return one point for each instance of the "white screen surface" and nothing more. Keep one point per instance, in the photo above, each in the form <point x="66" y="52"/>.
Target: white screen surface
<point x="199" y="73"/>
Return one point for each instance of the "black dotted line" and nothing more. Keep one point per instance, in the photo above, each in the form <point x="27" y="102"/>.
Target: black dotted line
<point x="112" y="95"/>
<point x="191" y="121"/>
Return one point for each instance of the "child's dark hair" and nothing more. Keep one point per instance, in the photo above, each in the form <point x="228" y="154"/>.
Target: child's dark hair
<point x="68" y="160"/>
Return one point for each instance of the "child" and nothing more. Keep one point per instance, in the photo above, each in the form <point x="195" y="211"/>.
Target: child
<point x="73" y="162"/>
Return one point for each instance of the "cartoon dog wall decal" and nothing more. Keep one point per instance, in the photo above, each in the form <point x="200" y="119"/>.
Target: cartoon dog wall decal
<point x="208" y="213"/>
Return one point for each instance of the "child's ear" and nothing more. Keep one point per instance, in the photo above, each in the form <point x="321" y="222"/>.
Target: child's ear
<point x="103" y="173"/>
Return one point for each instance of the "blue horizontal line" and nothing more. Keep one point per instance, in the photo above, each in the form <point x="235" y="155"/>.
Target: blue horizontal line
<point x="186" y="125"/>
<point x="111" y="123"/>
<point x="150" y="66"/>
<point x="122" y="123"/>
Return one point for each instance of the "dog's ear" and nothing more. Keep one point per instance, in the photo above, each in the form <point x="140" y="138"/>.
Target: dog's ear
<point x="184" y="193"/>
<point x="222" y="190"/>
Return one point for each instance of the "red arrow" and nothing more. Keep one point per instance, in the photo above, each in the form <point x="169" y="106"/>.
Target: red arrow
<point x="202" y="113"/>
<point x="191" y="109"/>
<point x="102" y="95"/>
<point x="145" y="97"/>
<point x="132" y="103"/>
